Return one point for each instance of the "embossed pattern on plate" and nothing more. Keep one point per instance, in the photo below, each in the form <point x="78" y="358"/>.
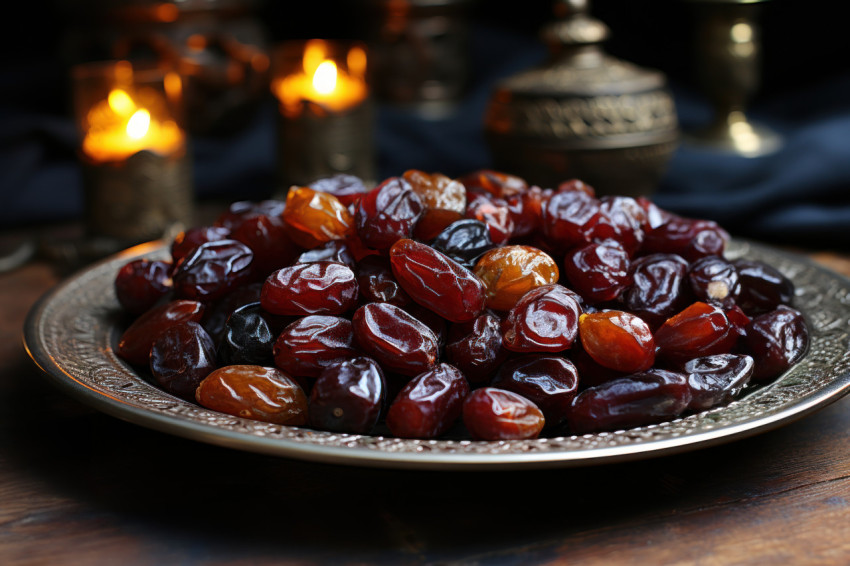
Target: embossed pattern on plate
<point x="70" y="334"/>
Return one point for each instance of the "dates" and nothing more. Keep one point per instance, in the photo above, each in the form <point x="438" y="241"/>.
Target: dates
<point x="320" y="287"/>
<point x="618" y="340"/>
<point x="699" y="330"/>
<point x="313" y="218"/>
<point x="437" y="282"/>
<point x="777" y="340"/>
<point x="137" y="340"/>
<point x="347" y="308"/>
<point x="254" y="392"/>
<point x="495" y="414"/>
<point x="388" y="213"/>
<point x="510" y="272"/>
<point x="348" y="397"/>
<point x="181" y="357"/>
<point x="464" y="241"/>
<point x="640" y="399"/>
<point x="212" y="270"/>
<point x="716" y="380"/>
<point x="400" y="342"/>
<point x="429" y="405"/>
<point x="550" y="382"/>
<point x="141" y="283"/>
<point x="544" y="320"/>
<point x="312" y="343"/>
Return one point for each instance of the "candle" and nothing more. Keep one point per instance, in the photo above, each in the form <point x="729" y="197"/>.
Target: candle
<point x="325" y="122"/>
<point x="323" y="80"/>
<point x="136" y="171"/>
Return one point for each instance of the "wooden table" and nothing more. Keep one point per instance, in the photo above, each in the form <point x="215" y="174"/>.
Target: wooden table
<point x="80" y="487"/>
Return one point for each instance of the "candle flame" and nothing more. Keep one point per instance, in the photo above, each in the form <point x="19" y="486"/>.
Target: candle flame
<point x="138" y="124"/>
<point x="314" y="54"/>
<point x="120" y="102"/>
<point x="324" y="79"/>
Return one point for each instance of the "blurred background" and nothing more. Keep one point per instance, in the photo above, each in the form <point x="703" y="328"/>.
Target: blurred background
<point x="798" y="195"/>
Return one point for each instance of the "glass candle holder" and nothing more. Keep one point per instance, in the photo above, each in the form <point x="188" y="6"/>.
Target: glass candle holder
<point x="133" y="151"/>
<point x="325" y="118"/>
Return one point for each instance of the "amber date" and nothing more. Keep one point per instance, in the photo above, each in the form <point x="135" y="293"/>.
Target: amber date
<point x="398" y="341"/>
<point x="429" y="404"/>
<point x="509" y="272"/>
<point x="212" y="270"/>
<point x="135" y="343"/>
<point x="320" y="287"/>
<point x="348" y="397"/>
<point x="777" y="340"/>
<point x="617" y="340"/>
<point x="310" y="344"/>
<point x="313" y="218"/>
<point x="716" y="380"/>
<point x="140" y="283"/>
<point x="436" y="191"/>
<point x="635" y="400"/>
<point x="551" y="382"/>
<point x="699" y="330"/>
<point x="475" y="347"/>
<point x="388" y="213"/>
<point x="437" y="282"/>
<point x="490" y="413"/>
<point x="254" y="392"/>
<point x="181" y="357"/>
<point x="544" y="320"/>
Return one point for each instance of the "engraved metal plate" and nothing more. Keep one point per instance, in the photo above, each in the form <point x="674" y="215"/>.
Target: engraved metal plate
<point x="70" y="334"/>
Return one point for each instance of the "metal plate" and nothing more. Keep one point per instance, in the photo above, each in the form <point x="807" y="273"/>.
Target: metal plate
<point x="70" y="334"/>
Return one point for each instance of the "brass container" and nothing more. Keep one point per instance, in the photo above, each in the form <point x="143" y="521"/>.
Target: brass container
<point x="585" y="114"/>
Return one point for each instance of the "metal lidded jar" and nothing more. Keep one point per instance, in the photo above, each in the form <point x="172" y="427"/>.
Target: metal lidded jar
<point x="584" y="114"/>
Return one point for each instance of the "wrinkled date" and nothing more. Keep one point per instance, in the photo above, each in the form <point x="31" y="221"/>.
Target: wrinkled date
<point x="360" y="308"/>
<point x="436" y="281"/>
<point x="429" y="404"/>
<point x="254" y="392"/>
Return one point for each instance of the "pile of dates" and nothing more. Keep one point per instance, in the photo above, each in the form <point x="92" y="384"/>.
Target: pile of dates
<point x="477" y="307"/>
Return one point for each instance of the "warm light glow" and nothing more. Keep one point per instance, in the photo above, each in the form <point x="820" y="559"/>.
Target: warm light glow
<point x="334" y="84"/>
<point x="139" y="124"/>
<point x="324" y="79"/>
<point x="314" y="53"/>
<point x="119" y="126"/>
<point x="357" y="61"/>
<point x="120" y="102"/>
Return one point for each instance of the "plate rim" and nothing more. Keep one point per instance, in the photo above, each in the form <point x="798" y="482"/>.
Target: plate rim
<point x="359" y="456"/>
